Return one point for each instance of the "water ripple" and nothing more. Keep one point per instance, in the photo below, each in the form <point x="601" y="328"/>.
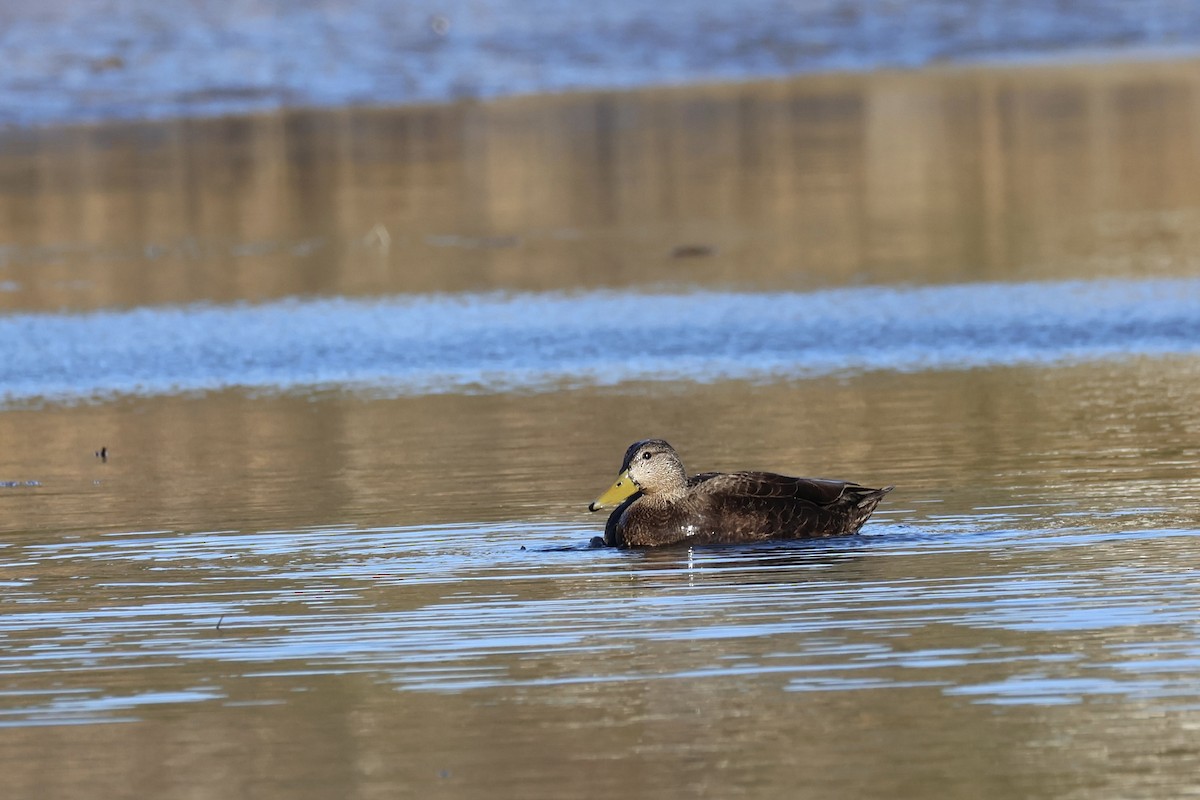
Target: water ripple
<point x="145" y="60"/>
<point x="537" y="342"/>
<point x="995" y="616"/>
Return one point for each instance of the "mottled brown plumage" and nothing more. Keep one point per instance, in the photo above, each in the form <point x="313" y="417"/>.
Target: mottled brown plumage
<point x="661" y="505"/>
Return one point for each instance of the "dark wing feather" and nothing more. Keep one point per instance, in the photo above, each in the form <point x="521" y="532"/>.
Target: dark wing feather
<point x="766" y="505"/>
<point x="701" y="477"/>
<point x="764" y="485"/>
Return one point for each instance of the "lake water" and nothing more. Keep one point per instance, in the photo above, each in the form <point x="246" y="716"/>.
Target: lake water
<point x="358" y="373"/>
<point x="68" y="62"/>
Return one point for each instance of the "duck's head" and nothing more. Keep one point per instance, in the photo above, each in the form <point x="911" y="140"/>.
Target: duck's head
<point x="651" y="467"/>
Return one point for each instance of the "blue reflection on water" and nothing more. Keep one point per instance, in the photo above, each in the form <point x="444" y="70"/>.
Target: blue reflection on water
<point x="532" y="342"/>
<point x="459" y="608"/>
<point x="88" y="61"/>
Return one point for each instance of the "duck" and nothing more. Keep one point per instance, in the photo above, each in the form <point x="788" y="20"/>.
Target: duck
<point x="655" y="504"/>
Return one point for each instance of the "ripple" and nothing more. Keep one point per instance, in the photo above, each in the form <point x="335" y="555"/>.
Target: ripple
<point x="150" y="61"/>
<point x="541" y="342"/>
<point x="996" y="617"/>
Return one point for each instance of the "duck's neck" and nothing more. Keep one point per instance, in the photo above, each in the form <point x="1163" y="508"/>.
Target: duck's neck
<point x="668" y="494"/>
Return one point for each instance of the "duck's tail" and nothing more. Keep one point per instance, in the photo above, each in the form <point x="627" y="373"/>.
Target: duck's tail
<point x="865" y="500"/>
<point x="869" y="498"/>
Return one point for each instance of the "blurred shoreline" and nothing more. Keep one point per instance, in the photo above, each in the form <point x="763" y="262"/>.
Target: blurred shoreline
<point x="70" y="63"/>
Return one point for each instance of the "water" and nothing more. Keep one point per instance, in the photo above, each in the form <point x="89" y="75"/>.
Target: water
<point x="409" y="649"/>
<point x="71" y="62"/>
<point x="358" y="374"/>
<point x="416" y="345"/>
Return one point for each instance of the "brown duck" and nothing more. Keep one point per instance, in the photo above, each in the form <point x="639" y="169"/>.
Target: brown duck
<point x="658" y="504"/>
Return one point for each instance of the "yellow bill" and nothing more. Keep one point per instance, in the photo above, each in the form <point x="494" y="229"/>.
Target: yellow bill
<point x="622" y="489"/>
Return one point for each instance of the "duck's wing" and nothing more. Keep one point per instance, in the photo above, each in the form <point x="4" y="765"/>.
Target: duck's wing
<point x="758" y="505"/>
<point x="770" y="486"/>
<point x="701" y="477"/>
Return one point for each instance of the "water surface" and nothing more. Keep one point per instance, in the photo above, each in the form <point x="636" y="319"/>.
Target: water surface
<point x="358" y="374"/>
<point x="70" y="62"/>
<point x="424" y="344"/>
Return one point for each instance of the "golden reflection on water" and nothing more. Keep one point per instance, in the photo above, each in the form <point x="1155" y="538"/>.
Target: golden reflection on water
<point x="938" y="176"/>
<point x="1101" y="436"/>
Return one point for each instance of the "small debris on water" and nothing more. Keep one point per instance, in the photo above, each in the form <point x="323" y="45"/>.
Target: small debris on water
<point x="693" y="251"/>
<point x="102" y="454"/>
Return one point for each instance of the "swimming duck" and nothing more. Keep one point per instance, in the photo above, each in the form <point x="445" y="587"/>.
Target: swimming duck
<point x="658" y="504"/>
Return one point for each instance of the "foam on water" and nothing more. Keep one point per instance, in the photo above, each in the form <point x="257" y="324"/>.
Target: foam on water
<point x="533" y="342"/>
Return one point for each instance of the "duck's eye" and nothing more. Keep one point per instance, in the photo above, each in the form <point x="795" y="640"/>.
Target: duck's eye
<point x="645" y="456"/>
